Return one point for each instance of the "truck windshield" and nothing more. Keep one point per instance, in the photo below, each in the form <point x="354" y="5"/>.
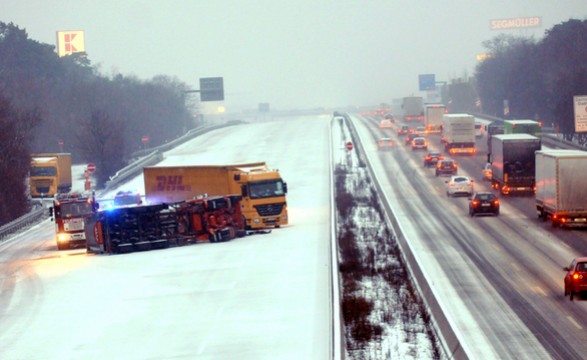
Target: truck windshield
<point x="265" y="189"/>
<point x="43" y="171"/>
<point x="74" y="209"/>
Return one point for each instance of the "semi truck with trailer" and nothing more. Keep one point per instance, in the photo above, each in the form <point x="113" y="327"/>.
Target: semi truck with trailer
<point x="50" y="174"/>
<point x="458" y="131"/>
<point x="262" y="189"/>
<point x="70" y="211"/>
<point x="561" y="187"/>
<point x="433" y="118"/>
<point x="513" y="163"/>
<point x="522" y="127"/>
<point x="413" y="108"/>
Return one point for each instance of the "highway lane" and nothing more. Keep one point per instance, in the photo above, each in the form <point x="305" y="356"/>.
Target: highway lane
<point x="258" y="297"/>
<point x="508" y="267"/>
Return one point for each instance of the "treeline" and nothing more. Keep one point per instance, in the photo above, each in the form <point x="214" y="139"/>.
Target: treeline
<point x="53" y="104"/>
<point x="538" y="79"/>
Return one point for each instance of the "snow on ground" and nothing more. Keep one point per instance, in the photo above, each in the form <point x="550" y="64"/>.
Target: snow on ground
<point x="396" y="308"/>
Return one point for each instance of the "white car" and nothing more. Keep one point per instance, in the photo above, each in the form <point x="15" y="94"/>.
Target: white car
<point x="459" y="185"/>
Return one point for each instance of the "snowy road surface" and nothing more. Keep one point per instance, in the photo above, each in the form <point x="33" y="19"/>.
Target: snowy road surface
<point x="258" y="297"/>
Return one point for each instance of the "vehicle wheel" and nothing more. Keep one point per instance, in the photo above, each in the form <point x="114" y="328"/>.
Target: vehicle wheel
<point x="437" y="173"/>
<point x="471" y="213"/>
<point x="447" y="194"/>
<point x="572" y="293"/>
<point x="497" y="213"/>
<point x="566" y="290"/>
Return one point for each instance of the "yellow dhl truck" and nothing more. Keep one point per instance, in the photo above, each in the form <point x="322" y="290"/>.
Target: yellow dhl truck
<point x="50" y="174"/>
<point x="263" y="190"/>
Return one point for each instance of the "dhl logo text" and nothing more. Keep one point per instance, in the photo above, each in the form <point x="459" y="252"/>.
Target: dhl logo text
<point x="171" y="183"/>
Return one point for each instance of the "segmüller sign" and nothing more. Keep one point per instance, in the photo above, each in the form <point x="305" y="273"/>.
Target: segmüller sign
<point x="516" y="23"/>
<point x="580" y="105"/>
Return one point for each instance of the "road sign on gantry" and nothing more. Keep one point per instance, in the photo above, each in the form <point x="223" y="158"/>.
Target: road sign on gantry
<point x="211" y="89"/>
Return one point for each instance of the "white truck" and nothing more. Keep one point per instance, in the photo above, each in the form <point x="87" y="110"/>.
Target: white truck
<point x="561" y="187"/>
<point x="433" y="116"/>
<point x="458" y="134"/>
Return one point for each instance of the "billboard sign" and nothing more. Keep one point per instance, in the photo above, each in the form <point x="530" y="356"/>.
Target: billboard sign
<point x="580" y="105"/>
<point x="69" y="42"/>
<point x="211" y="89"/>
<point x="515" y="23"/>
<point x="427" y="82"/>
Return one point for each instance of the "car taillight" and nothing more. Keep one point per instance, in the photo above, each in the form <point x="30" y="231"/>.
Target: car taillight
<point x="495" y="202"/>
<point x="475" y="202"/>
<point x="577" y="276"/>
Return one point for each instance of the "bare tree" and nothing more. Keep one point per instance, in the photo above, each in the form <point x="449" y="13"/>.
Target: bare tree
<point x="100" y="140"/>
<point x="15" y="136"/>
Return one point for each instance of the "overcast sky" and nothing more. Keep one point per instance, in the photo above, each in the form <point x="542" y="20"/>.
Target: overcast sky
<point x="304" y="53"/>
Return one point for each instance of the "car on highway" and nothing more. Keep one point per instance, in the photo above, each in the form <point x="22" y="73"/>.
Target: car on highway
<point x="432" y="158"/>
<point x="483" y="203"/>
<point x="576" y="277"/>
<point x="385" y="143"/>
<point x="404" y="130"/>
<point x="389" y="117"/>
<point x="385" y="123"/>
<point x="487" y="172"/>
<point x="409" y="137"/>
<point x="127" y="198"/>
<point x="459" y="185"/>
<point x="419" y="143"/>
<point x="420" y="130"/>
<point x="446" y="167"/>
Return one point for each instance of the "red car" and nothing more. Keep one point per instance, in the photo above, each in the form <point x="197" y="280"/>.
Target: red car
<point x="576" y="277"/>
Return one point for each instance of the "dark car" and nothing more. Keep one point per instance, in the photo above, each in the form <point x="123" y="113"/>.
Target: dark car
<point x="484" y="203"/>
<point x="404" y="129"/>
<point x="446" y="167"/>
<point x="409" y="137"/>
<point x="432" y="158"/>
<point x="576" y="277"/>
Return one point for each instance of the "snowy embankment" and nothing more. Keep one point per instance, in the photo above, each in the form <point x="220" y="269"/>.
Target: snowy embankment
<point x="384" y="316"/>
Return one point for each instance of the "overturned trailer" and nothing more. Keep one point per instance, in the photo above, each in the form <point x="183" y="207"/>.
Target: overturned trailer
<point x="147" y="227"/>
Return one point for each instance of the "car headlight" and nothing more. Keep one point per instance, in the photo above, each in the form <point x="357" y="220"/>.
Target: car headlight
<point x="62" y="237"/>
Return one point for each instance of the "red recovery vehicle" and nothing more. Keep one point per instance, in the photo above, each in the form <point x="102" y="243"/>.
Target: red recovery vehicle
<point x="146" y="227"/>
<point x="70" y="211"/>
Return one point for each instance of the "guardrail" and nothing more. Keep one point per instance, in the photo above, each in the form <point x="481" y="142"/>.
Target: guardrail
<point x="39" y="211"/>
